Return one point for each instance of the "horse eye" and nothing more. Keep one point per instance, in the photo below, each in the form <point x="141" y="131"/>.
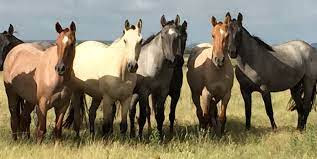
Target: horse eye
<point x="125" y="41"/>
<point x="141" y="41"/>
<point x="213" y="36"/>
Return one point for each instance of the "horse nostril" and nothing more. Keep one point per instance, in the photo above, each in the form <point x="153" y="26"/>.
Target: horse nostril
<point x="62" y="69"/>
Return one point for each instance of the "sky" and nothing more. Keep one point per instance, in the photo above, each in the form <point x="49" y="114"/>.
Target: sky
<point x="275" y="21"/>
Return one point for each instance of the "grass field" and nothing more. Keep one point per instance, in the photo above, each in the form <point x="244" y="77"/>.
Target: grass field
<point x="187" y="142"/>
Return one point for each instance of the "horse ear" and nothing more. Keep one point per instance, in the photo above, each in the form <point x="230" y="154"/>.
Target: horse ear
<point x="127" y="25"/>
<point x="240" y="18"/>
<point x="73" y="27"/>
<point x="139" y="25"/>
<point x="227" y="18"/>
<point x="163" y="21"/>
<point x="11" y="29"/>
<point x="184" y="25"/>
<point x="213" y="21"/>
<point x="58" y="27"/>
<point x="177" y="20"/>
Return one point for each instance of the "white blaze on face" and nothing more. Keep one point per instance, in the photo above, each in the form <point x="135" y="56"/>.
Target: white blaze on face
<point x="171" y="31"/>
<point x="65" y="39"/>
<point x="222" y="32"/>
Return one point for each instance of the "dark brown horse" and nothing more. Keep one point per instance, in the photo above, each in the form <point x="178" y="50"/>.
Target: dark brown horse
<point x="35" y="76"/>
<point x="210" y="77"/>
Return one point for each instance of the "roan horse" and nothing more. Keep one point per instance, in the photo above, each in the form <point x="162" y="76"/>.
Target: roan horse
<point x="34" y="75"/>
<point x="106" y="73"/>
<point x="266" y="69"/>
<point x="210" y="77"/>
<point x="157" y="61"/>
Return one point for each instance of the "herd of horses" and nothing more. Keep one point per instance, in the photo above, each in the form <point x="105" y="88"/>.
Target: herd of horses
<point x="129" y="70"/>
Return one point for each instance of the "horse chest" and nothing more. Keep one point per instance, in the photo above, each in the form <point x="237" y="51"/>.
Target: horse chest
<point x="218" y="82"/>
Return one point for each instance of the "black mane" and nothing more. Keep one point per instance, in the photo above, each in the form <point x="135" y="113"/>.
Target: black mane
<point x="259" y="41"/>
<point x="149" y="39"/>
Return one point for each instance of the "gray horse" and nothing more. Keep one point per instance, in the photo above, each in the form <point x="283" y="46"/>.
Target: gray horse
<point x="266" y="69"/>
<point x="157" y="61"/>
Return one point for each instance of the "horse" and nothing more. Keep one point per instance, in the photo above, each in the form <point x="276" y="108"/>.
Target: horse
<point x="177" y="78"/>
<point x="8" y="41"/>
<point x="265" y="69"/>
<point x="210" y="77"/>
<point x="156" y="65"/>
<point x="35" y="76"/>
<point x="106" y="73"/>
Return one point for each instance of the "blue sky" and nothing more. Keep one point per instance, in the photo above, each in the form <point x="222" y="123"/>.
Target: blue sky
<point x="275" y="21"/>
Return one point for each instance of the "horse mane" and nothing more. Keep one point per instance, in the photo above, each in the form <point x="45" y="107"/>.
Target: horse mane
<point x="259" y="41"/>
<point x="149" y="39"/>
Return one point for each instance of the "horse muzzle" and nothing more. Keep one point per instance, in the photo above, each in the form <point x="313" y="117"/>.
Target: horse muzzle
<point x="60" y="69"/>
<point x="132" y="67"/>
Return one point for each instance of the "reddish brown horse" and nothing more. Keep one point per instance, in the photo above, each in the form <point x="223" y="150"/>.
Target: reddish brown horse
<point x="36" y="75"/>
<point x="210" y="77"/>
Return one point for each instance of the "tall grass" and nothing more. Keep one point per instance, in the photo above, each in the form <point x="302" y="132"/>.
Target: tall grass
<point x="187" y="142"/>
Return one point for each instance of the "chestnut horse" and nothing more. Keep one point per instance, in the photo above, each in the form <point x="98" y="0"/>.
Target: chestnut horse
<point x="210" y="77"/>
<point x="35" y="76"/>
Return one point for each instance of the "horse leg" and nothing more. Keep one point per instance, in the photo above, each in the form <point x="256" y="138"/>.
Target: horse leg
<point x="148" y="113"/>
<point x="159" y="114"/>
<point x="41" y="112"/>
<point x="78" y="118"/>
<point x="212" y="118"/>
<point x="132" y="112"/>
<point x="199" y="111"/>
<point x="223" y="111"/>
<point x="125" y="104"/>
<point x="205" y="101"/>
<point x="143" y="103"/>
<point x="246" y="94"/>
<point x="92" y="114"/>
<point x="175" y="97"/>
<point x="59" y="113"/>
<point x="13" y="107"/>
<point x="107" y="127"/>
<point x="309" y="93"/>
<point x="296" y="95"/>
<point x="268" y="107"/>
<point x="26" y="118"/>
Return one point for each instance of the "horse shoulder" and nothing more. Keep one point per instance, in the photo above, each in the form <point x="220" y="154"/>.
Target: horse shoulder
<point x="198" y="56"/>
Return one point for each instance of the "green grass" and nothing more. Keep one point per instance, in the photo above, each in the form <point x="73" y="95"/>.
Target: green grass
<point x="187" y="142"/>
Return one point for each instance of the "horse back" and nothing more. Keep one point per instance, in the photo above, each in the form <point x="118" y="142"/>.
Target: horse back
<point x="23" y="58"/>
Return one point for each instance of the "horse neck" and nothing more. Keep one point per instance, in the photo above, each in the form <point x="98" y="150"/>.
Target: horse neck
<point x="152" y="50"/>
<point x="250" y="51"/>
<point x="117" y="43"/>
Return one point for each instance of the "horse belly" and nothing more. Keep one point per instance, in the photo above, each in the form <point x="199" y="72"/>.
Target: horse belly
<point x="116" y="88"/>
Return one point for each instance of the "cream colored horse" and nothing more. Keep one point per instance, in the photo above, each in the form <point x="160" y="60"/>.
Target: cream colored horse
<point x="107" y="73"/>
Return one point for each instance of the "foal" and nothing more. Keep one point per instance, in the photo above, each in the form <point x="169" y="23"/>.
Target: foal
<point x="35" y="76"/>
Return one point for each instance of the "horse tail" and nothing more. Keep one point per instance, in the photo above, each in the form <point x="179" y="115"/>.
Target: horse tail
<point x="291" y="103"/>
<point x="71" y="114"/>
